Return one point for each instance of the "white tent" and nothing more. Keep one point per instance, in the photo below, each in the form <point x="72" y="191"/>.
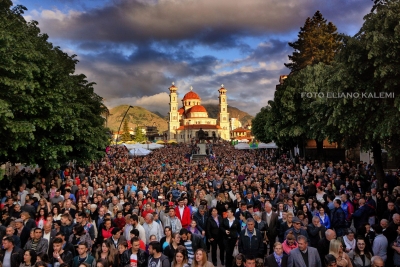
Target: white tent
<point x="139" y="152"/>
<point x="269" y="145"/>
<point x="153" y="146"/>
<point x="132" y="146"/>
<point x="242" y="146"/>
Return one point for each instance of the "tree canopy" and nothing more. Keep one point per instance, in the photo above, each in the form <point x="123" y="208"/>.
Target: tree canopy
<point x="49" y="114"/>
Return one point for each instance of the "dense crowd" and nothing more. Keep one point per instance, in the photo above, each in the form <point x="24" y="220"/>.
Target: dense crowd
<point x="243" y="207"/>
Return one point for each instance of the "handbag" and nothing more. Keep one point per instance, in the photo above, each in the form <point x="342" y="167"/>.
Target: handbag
<point x="235" y="251"/>
<point x="265" y="239"/>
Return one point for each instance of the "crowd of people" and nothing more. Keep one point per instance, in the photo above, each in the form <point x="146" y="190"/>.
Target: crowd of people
<point x="232" y="208"/>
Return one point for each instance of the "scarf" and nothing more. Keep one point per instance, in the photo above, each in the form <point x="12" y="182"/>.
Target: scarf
<point x="349" y="244"/>
<point x="278" y="259"/>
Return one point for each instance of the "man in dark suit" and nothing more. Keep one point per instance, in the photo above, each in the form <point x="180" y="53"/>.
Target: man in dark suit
<point x="272" y="222"/>
<point x="68" y="208"/>
<point x="48" y="233"/>
<point x="28" y="221"/>
<point x="277" y="259"/>
<point x="10" y="232"/>
<point x="304" y="256"/>
<point x="21" y="231"/>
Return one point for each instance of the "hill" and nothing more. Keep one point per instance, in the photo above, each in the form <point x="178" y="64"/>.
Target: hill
<point x="143" y="117"/>
<point x="136" y="116"/>
<point x="244" y="117"/>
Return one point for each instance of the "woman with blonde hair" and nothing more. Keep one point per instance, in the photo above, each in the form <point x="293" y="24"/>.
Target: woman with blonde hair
<point x="200" y="259"/>
<point x="44" y="204"/>
<point x="222" y="206"/>
<point x="336" y="249"/>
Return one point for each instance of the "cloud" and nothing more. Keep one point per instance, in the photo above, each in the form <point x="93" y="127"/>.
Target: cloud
<point x="220" y="23"/>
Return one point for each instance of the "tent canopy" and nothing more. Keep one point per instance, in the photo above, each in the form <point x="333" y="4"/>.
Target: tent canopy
<point x="242" y="146"/>
<point x="139" y="152"/>
<point x="269" y="145"/>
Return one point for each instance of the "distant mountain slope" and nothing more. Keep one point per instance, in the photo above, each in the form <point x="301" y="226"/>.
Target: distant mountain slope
<point x="136" y="116"/>
<point x="244" y="117"/>
<point x="143" y="117"/>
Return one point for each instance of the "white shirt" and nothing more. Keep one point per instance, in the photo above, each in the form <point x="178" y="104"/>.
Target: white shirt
<point x="181" y="211"/>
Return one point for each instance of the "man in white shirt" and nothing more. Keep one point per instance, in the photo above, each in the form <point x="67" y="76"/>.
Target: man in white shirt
<point x="139" y="227"/>
<point x="152" y="228"/>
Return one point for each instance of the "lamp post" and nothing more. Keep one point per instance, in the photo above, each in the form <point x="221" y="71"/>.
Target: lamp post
<point x="123" y="118"/>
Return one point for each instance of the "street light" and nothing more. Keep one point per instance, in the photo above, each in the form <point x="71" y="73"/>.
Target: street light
<point x="123" y="118"/>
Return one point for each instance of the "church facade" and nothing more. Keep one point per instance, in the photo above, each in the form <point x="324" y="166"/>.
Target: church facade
<point x="187" y="119"/>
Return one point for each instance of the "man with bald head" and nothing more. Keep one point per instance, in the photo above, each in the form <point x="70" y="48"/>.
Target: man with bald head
<point x="361" y="216"/>
<point x="377" y="261"/>
<point x="323" y="244"/>
<point x="391" y="234"/>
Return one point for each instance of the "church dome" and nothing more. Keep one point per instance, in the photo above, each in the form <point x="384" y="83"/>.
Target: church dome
<point x="197" y="108"/>
<point x="191" y="95"/>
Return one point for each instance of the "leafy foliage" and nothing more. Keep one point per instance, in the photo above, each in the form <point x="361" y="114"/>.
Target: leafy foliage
<point x="139" y="136"/>
<point x="49" y="114"/>
<point x="126" y="135"/>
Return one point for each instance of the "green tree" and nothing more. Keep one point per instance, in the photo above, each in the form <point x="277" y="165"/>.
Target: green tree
<point x="139" y="136"/>
<point x="126" y="136"/>
<point x="50" y="114"/>
<point x="317" y="42"/>
<point x="258" y="124"/>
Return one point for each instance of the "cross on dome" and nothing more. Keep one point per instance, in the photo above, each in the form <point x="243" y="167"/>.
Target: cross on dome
<point x="222" y="85"/>
<point x="191" y="88"/>
<point x="173" y="83"/>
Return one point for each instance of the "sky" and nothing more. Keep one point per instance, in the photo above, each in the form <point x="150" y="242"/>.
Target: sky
<point x="134" y="49"/>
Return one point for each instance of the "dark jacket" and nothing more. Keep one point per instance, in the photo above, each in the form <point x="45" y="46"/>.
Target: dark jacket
<point x="251" y="246"/>
<point x="234" y="230"/>
<point x="271" y="262"/>
<point x="24" y="236"/>
<point x="30" y="209"/>
<point x="361" y="216"/>
<point x="30" y="224"/>
<point x="213" y="229"/>
<point x="66" y="230"/>
<point x="201" y="222"/>
<point x="197" y="242"/>
<point x="338" y="220"/>
<point x="142" y="258"/>
<point x="16" y="256"/>
<point x="323" y="247"/>
<point x="17" y="241"/>
<point x="66" y="257"/>
<point x="315" y="234"/>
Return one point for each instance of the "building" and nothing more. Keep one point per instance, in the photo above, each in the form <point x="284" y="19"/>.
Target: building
<point x="184" y="122"/>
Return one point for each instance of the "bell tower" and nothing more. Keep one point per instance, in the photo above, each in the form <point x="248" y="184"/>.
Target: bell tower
<point x="223" y="118"/>
<point x="173" y="114"/>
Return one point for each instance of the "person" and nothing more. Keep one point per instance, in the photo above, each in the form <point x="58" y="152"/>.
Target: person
<point x="183" y="213"/>
<point x="238" y="261"/>
<point x="215" y="236"/>
<point x="330" y="261"/>
<point x="107" y="252"/>
<point x="348" y="241"/>
<point x="324" y="218"/>
<point x="230" y="229"/>
<point x="49" y="234"/>
<point x="289" y="244"/>
<point x="297" y="229"/>
<point x="272" y="223"/>
<point x="10" y="232"/>
<point x="277" y="258"/>
<point x="138" y="226"/>
<point x="135" y="253"/>
<point x="116" y="238"/>
<point x="315" y="231"/>
<point x="336" y="249"/>
<point x="380" y="245"/>
<point x="324" y="243"/>
<point x="338" y="218"/>
<point x="360" y="256"/>
<point x="170" y="250"/>
<point x="192" y="242"/>
<point x="21" y="231"/>
<point x="180" y="258"/>
<point x="251" y="241"/>
<point x="200" y="259"/>
<point x="377" y="261"/>
<point x="304" y="255"/>
<point x="29" y="258"/>
<point x="201" y="218"/>
<point x="152" y="228"/>
<point x="102" y="263"/>
<point x="59" y="254"/>
<point x="157" y="258"/>
<point x="361" y="215"/>
<point x="83" y="256"/>
<point x="79" y="236"/>
<point x="167" y="238"/>
<point x="10" y="256"/>
<point x="171" y="220"/>
<point x="38" y="244"/>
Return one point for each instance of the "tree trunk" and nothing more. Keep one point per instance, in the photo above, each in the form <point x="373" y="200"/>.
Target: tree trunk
<point x="377" y="153"/>
<point x="320" y="150"/>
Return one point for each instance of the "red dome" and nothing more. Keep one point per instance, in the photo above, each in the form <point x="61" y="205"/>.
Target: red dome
<point x="191" y="95"/>
<point x="181" y="111"/>
<point x="198" y="108"/>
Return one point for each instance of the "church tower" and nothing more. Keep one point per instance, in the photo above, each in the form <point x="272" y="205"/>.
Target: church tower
<point x="173" y="114"/>
<point x="223" y="118"/>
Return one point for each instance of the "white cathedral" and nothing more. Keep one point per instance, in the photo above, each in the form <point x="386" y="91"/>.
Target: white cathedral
<point x="185" y="122"/>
